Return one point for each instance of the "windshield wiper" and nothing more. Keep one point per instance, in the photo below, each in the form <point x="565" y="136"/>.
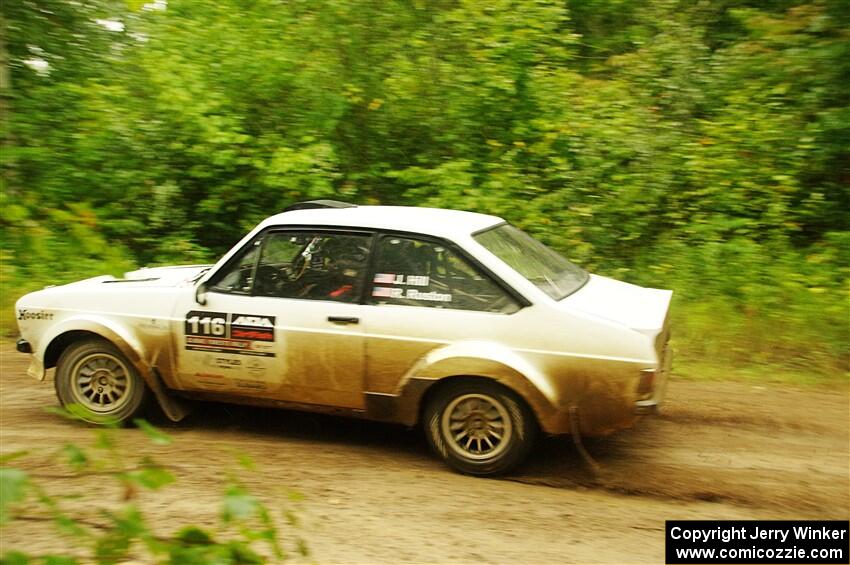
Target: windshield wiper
<point x="200" y="274"/>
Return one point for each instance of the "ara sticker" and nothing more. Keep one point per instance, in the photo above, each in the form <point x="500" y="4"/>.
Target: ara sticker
<point x="255" y="328"/>
<point x="221" y="332"/>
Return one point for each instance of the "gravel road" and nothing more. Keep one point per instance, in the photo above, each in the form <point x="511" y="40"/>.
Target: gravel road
<point x="372" y="493"/>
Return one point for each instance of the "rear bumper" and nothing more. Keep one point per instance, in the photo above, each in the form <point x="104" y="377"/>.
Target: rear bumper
<point x="646" y="407"/>
<point x="650" y="404"/>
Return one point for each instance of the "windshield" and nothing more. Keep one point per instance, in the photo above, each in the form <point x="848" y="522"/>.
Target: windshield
<point x="547" y="269"/>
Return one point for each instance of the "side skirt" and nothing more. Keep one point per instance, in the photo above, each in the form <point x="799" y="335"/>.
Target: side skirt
<point x="271" y="403"/>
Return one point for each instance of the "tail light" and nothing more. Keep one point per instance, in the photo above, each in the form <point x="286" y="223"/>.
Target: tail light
<point x="647" y="381"/>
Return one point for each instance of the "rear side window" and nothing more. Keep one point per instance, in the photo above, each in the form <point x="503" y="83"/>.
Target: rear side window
<point x="545" y="268"/>
<point x="413" y="272"/>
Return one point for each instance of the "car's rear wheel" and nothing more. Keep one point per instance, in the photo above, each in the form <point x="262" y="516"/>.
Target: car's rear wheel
<point x="96" y="376"/>
<point x="479" y="427"/>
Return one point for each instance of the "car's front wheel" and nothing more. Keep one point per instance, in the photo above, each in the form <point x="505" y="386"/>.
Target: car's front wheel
<point x="96" y="376"/>
<point x="479" y="427"/>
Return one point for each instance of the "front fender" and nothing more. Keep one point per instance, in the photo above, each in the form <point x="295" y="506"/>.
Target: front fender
<point x="125" y="341"/>
<point x="98" y="325"/>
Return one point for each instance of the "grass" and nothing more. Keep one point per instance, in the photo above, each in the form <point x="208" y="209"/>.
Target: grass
<point x="761" y="373"/>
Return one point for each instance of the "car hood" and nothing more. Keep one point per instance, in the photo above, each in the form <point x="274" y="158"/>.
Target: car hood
<point x="144" y="277"/>
<point x="641" y="309"/>
<point x="163" y="276"/>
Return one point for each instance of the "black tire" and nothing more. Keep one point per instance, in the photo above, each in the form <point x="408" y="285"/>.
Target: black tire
<point x="96" y="376"/>
<point x="479" y="427"/>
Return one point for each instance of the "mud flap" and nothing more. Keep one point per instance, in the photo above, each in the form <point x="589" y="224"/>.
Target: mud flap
<point x="575" y="433"/>
<point x="174" y="408"/>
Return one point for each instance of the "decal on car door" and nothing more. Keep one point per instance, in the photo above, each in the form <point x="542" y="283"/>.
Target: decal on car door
<point x="222" y="332"/>
<point x="394" y="292"/>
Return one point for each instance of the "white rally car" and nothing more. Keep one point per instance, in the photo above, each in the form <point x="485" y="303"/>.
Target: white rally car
<point x="454" y="320"/>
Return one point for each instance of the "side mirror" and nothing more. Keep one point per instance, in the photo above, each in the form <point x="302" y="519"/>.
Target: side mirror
<point x="201" y="294"/>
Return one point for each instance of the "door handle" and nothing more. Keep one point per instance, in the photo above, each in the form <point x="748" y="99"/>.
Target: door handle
<point x="343" y="320"/>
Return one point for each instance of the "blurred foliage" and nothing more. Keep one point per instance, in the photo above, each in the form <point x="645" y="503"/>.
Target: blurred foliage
<point x="700" y="146"/>
<point x="118" y="531"/>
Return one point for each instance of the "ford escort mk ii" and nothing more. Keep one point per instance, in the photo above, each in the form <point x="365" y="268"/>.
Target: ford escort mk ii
<point x="456" y="321"/>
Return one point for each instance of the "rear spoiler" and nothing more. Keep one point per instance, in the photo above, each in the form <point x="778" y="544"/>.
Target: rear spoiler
<point x="311" y="204"/>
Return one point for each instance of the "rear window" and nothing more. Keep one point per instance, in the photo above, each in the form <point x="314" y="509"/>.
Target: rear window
<point x="546" y="268"/>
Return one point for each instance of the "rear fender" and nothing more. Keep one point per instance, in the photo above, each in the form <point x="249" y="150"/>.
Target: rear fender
<point x="477" y="359"/>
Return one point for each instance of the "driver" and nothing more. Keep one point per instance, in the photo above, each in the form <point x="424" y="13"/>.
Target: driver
<point x="344" y="269"/>
<point x="332" y="268"/>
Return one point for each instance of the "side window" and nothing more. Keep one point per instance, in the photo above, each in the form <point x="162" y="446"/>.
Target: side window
<point x="413" y="272"/>
<point x="312" y="266"/>
<point x="239" y="276"/>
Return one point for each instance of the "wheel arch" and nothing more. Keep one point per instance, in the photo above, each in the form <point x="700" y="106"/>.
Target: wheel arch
<point x="63" y="341"/>
<point x="436" y="386"/>
<point x="76" y="329"/>
<point x="469" y="360"/>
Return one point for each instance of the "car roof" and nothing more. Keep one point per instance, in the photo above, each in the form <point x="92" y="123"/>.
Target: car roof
<point x="431" y="221"/>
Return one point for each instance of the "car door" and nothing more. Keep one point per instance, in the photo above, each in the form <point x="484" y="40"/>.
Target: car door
<point x="281" y="321"/>
<point x="424" y="293"/>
